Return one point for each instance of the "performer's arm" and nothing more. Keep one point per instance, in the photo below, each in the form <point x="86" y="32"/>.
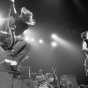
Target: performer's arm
<point x="13" y="11"/>
<point x="84" y="46"/>
<point x="19" y="45"/>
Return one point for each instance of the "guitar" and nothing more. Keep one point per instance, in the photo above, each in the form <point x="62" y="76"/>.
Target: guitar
<point x="6" y="58"/>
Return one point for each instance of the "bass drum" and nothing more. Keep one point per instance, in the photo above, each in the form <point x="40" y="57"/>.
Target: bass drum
<point x="44" y="85"/>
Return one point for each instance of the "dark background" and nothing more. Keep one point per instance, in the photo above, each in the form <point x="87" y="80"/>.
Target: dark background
<point x="67" y="18"/>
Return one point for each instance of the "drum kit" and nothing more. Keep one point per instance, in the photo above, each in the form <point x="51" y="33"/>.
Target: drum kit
<point x="21" y="73"/>
<point x="45" y="80"/>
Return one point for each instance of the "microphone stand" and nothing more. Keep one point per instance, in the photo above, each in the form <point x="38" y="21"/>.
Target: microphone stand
<point x="55" y="77"/>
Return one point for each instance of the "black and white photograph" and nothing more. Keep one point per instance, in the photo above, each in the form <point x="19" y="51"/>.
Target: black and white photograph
<point x="43" y="44"/>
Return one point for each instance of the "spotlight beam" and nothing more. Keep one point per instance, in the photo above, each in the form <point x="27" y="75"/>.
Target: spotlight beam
<point x="61" y="41"/>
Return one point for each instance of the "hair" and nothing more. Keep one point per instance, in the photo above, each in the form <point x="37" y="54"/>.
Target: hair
<point x="84" y="35"/>
<point x="27" y="16"/>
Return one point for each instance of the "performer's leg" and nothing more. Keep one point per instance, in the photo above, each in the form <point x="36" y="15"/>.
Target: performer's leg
<point x="86" y="66"/>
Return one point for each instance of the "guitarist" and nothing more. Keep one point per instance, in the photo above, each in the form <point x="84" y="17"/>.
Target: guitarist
<point x="16" y="49"/>
<point x="84" y="37"/>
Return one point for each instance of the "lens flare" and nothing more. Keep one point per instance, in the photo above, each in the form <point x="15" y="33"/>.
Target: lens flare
<point x="2" y="20"/>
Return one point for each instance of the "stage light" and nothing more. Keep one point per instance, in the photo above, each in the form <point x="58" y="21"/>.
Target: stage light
<point x="32" y="39"/>
<point x="27" y="32"/>
<point x="54" y="44"/>
<point x="54" y="36"/>
<point x="26" y="38"/>
<point x="41" y="41"/>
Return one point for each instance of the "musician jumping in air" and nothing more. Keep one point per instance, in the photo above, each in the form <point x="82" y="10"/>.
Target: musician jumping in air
<point x="16" y="49"/>
<point x="84" y="37"/>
